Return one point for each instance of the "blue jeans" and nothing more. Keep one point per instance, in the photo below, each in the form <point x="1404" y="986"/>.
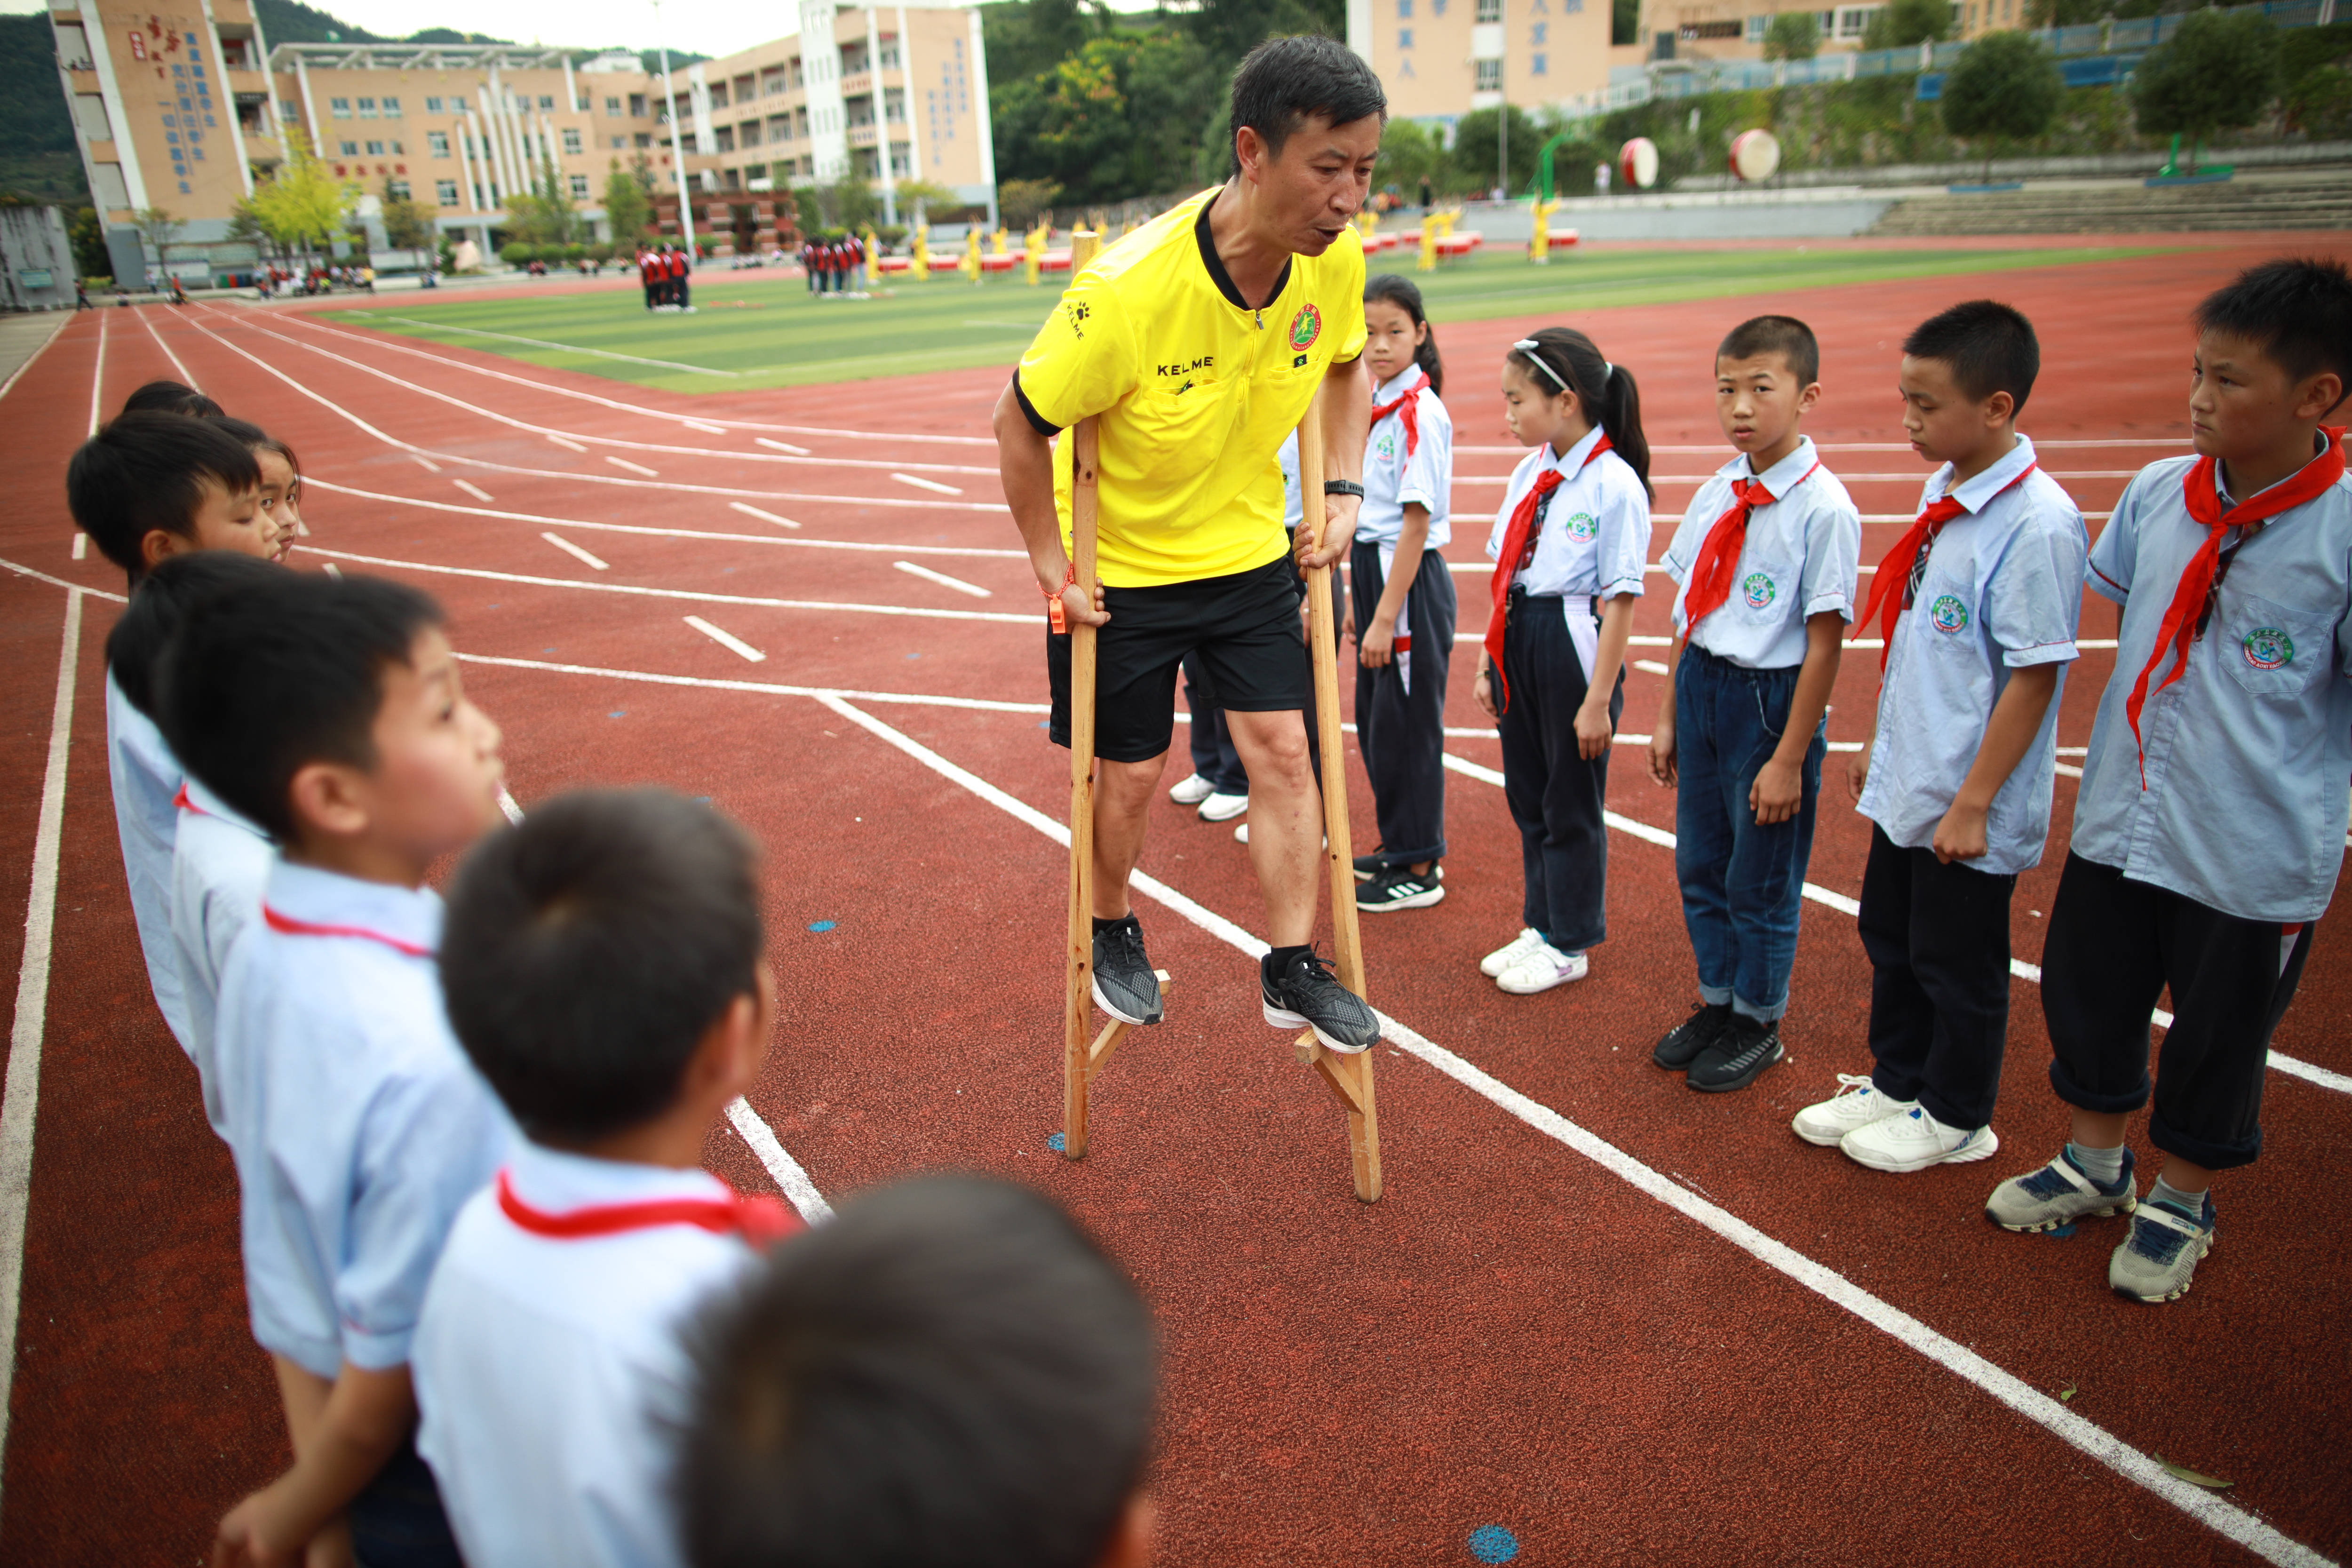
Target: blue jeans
<point x="1740" y="881"/>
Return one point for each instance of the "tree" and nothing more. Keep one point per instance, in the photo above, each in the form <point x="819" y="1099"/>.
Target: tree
<point x="917" y="198"/>
<point x="1409" y="154"/>
<point x="1020" y="203"/>
<point x="406" y="225"/>
<point x="627" y="208"/>
<point x="301" y="205"/>
<point x="158" y="228"/>
<point x="88" y="237"/>
<point x="1475" y="156"/>
<point x="2065" y="12"/>
<point x="2006" y="88"/>
<point x="544" y="214"/>
<point x="1792" y="35"/>
<point x="1904" y="24"/>
<point x="2220" y="70"/>
<point x="2320" y="104"/>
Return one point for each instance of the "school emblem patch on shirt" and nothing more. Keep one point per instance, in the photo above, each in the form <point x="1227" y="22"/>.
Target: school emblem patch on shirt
<point x="1384" y="446"/>
<point x="1583" y="527"/>
<point x="2267" y="647"/>
<point x="1757" y="590"/>
<point x="1305" y="326"/>
<point x="1948" y="614"/>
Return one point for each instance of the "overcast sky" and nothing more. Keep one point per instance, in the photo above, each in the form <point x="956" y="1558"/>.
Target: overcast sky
<point x="704" y="27"/>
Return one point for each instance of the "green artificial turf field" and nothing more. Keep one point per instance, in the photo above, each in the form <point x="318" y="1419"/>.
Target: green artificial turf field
<point x="763" y="328"/>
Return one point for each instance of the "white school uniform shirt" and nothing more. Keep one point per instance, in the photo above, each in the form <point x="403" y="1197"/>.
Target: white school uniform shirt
<point x="146" y="778"/>
<point x="1801" y="559"/>
<point x="550" y="1372"/>
<point x="1394" y="478"/>
<point x="1287" y="459"/>
<point x="1592" y="536"/>
<point x="219" y="864"/>
<point x="2002" y="591"/>
<point x="358" y="1126"/>
<point x="2249" y="752"/>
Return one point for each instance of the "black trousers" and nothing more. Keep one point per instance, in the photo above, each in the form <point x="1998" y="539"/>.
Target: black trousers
<point x="652" y="291"/>
<point x="1555" y="796"/>
<point x="1937" y="937"/>
<point x="2114" y="945"/>
<point x="1402" y="731"/>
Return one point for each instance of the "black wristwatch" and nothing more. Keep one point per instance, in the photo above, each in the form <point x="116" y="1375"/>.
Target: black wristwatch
<point x="1343" y="487"/>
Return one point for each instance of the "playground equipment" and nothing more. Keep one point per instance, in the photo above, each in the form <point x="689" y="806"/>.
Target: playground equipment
<point x="1033" y="253"/>
<point x="872" y="267"/>
<point x="1638" y="162"/>
<point x="969" y="264"/>
<point x="919" y="262"/>
<point x="1755" y="155"/>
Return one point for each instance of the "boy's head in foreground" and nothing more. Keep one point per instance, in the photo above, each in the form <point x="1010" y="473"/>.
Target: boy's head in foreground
<point x="2273" y="360"/>
<point x="330" y="713"/>
<point x="1767" y="377"/>
<point x="163" y="601"/>
<point x="602" y="964"/>
<point x="1965" y="377"/>
<point x="152" y="486"/>
<point x="947" y="1375"/>
<point x="170" y="397"/>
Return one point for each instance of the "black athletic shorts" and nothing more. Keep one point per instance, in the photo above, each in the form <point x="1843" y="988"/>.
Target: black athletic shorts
<point x="1244" y="627"/>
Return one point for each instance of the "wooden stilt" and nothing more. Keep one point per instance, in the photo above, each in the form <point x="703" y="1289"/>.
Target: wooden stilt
<point x="1078" y="1063"/>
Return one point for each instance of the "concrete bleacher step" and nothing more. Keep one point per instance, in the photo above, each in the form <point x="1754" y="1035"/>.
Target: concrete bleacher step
<point x="2315" y="200"/>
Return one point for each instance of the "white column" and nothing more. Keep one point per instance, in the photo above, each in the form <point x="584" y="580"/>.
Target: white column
<point x="571" y="93"/>
<point x="219" y="62"/>
<point x="309" y="104"/>
<point x="882" y="113"/>
<point x="493" y="149"/>
<point x="907" y="77"/>
<point x="980" y="108"/>
<point x="116" y="120"/>
<point x="465" y="174"/>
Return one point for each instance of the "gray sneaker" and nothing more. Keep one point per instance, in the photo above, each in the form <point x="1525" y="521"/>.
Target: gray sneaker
<point x="2157" y="1261"/>
<point x="2059" y="1193"/>
<point x="1124" y="984"/>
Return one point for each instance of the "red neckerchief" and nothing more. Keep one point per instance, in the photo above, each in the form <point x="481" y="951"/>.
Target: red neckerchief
<point x="292" y="927"/>
<point x="1519" y="548"/>
<point x="1718" y="555"/>
<point x="1407" y="403"/>
<point x="760" y="1221"/>
<point x="1894" y="575"/>
<point x="184" y="804"/>
<point x="2201" y="490"/>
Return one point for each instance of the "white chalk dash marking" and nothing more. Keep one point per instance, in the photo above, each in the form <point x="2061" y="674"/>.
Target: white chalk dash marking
<point x="81" y="547"/>
<point x="573" y="551"/>
<point x="633" y="468"/>
<point x="787" y="1171"/>
<point x="567" y="348"/>
<point x="427" y="464"/>
<point x="507" y="804"/>
<point x="943" y="579"/>
<point x="727" y="640"/>
<point x="301" y="528"/>
<point x="706" y="429"/>
<point x="1649" y="666"/>
<point x="334" y="570"/>
<point x="922" y="484"/>
<point x="763" y="516"/>
<point x="566" y="442"/>
<point x="782" y="446"/>
<point x="471" y="489"/>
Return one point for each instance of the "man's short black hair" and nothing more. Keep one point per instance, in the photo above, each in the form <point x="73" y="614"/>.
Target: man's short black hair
<point x="947" y="1375"/>
<point x="275" y="677"/>
<point x="1989" y="347"/>
<point x="162" y="601"/>
<point x="2299" y="309"/>
<point x="170" y="397"/>
<point x="147" y="471"/>
<point x="1284" y="82"/>
<point x="588" y="950"/>
<point x="1783" y="335"/>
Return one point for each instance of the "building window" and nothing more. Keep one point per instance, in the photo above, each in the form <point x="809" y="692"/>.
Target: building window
<point x="748" y="133"/>
<point x="579" y="187"/>
<point x="572" y="140"/>
<point x="1404" y="38"/>
<point x="341" y="108"/>
<point x="645" y="138"/>
<point x="288" y="111"/>
<point x="367" y="108"/>
<point x="391" y="109"/>
<point x="1404" y="10"/>
<point x="446" y="192"/>
<point x="398" y="189"/>
<point x="1489" y="78"/>
<point x="725" y="135"/>
<point x="581" y="103"/>
<point x="1853" y="19"/>
<point x="1755" y="26"/>
<point x="637" y="108"/>
<point x="619" y="142"/>
<point x="547" y="100"/>
<point x="1490" y="10"/>
<point x="436" y="142"/>
<point x="350" y="149"/>
<point x="718" y="95"/>
<point x="1697" y="30"/>
<point x="375" y="149"/>
<point x="611" y="106"/>
<point x="431" y="106"/>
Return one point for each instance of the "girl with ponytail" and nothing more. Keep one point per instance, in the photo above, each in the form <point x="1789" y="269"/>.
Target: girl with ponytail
<point x="1569" y="545"/>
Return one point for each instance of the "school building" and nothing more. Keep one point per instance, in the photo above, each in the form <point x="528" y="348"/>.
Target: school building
<point x="183" y="110"/>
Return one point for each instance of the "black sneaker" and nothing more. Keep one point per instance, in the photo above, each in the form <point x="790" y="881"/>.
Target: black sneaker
<point x="1306" y="995"/>
<point x="1681" y="1045"/>
<point x="1125" y="986"/>
<point x="1400" y="889"/>
<point x="1737" y="1057"/>
<point x="1369" y="866"/>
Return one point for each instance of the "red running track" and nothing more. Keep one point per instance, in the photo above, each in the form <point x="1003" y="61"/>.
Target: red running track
<point x="1626" y="1322"/>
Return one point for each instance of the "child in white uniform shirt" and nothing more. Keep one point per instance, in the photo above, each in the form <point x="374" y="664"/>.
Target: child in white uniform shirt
<point x="2209" y="827"/>
<point x="1765" y="564"/>
<point x="1977" y="603"/>
<point x="147" y="487"/>
<point x="1402" y="621"/>
<point x="329" y="714"/>
<point x="603" y="969"/>
<point x="1570" y="544"/>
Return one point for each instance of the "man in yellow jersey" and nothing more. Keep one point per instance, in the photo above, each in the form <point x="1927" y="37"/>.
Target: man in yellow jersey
<point x="1197" y="342"/>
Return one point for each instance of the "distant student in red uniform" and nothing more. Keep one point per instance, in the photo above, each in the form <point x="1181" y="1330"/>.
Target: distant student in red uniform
<point x="682" y="277"/>
<point x="650" y="274"/>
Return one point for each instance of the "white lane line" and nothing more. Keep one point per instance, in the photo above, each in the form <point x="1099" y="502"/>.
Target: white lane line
<point x="566" y="442"/>
<point x="2019" y="1397"/>
<point x="98" y="375"/>
<point x="943" y="579"/>
<point x="763" y="516"/>
<point x="24" y="570"/>
<point x="145" y="321"/>
<point x="80" y="546"/>
<point x="20" y="1104"/>
<point x="1650" y="666"/>
<point x="727" y="640"/>
<point x="706" y="427"/>
<point x="573" y="551"/>
<point x="761" y="687"/>
<point x="427" y="464"/>
<point x="633" y="468"/>
<point x="18" y="374"/>
<point x="798" y="1189"/>
<point x="782" y="446"/>
<point x="332" y="570"/>
<point x="567" y="348"/>
<point x="923" y="484"/>
<point x="689" y="595"/>
<point x="507" y="805"/>
<point x="471" y="489"/>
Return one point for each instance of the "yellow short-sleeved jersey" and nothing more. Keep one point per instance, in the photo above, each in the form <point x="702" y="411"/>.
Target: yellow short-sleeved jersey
<point x="1195" y="389"/>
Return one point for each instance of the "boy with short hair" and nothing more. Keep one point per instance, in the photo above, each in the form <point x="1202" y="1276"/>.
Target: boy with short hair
<point x="1765" y="564"/>
<point x="2209" y="827"/>
<point x="1977" y="603"/>
<point x="330" y="713"/>
<point x="950" y="1374"/>
<point x="147" y="487"/>
<point x="603" y="969"/>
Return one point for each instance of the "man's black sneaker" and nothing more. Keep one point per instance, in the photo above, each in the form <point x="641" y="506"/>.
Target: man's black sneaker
<point x="1125" y="986"/>
<point x="1738" y="1057"/>
<point x="1369" y="866"/>
<point x="1400" y="889"/>
<point x="1305" y="994"/>
<point x="1681" y="1045"/>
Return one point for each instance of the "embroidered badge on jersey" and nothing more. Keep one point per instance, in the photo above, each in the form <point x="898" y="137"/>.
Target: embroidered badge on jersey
<point x="1305" y="326"/>
<point x="2268" y="647"/>
<point x="1757" y="590"/>
<point x="1948" y="614"/>
<point x="1584" y="528"/>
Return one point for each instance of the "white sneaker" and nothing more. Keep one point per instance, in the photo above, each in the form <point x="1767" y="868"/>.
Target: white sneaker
<point x="1510" y="952"/>
<point x="1914" y="1140"/>
<point x="1193" y="791"/>
<point x="1857" y="1103"/>
<point x="1217" y="806"/>
<point x="1543" y="967"/>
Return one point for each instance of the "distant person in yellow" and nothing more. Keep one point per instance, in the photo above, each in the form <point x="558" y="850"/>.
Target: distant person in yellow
<point x="1197" y="342"/>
